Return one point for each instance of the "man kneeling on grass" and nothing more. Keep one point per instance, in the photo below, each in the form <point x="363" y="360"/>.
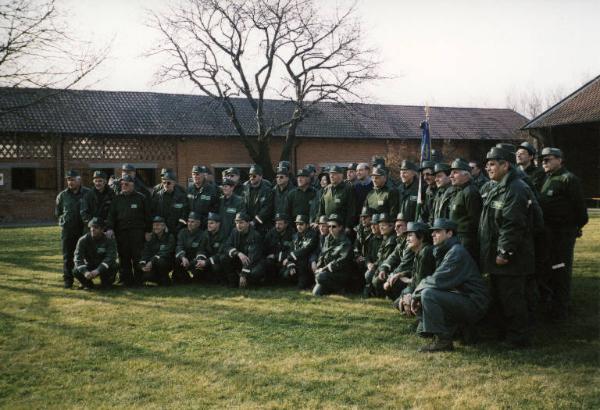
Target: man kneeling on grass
<point x="246" y="264"/>
<point x="95" y="256"/>
<point x="335" y="259"/>
<point x="454" y="295"/>
<point x="158" y="254"/>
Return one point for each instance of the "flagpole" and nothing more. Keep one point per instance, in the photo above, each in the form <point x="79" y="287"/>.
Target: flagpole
<point x="426" y="130"/>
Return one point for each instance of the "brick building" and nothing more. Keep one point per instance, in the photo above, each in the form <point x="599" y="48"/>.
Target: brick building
<point x="573" y="125"/>
<point x="51" y="132"/>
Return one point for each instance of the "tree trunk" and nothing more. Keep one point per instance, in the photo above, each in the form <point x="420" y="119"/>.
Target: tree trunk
<point x="264" y="158"/>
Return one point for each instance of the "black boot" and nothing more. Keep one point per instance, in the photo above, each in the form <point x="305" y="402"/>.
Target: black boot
<point x="439" y="344"/>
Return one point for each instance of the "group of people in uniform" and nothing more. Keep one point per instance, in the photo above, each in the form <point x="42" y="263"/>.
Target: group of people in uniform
<point x="450" y="246"/>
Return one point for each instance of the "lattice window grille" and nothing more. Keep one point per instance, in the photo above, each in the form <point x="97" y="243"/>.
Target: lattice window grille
<point x="25" y="147"/>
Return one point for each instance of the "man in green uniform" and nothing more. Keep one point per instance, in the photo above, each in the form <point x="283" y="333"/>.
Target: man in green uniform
<point x="170" y="204"/>
<point x="297" y="263"/>
<point x="565" y="214"/>
<point x="525" y="155"/>
<point x="129" y="220"/>
<point x="233" y="174"/>
<point x="351" y="173"/>
<point x="408" y="190"/>
<point x="277" y="245"/>
<point x="335" y="258"/>
<point x="230" y="205"/>
<point x="427" y="171"/>
<point x="338" y="199"/>
<point x="68" y="208"/>
<point x="188" y="243"/>
<point x="211" y="259"/>
<point x="281" y="190"/>
<point x="394" y="272"/>
<point x="381" y="199"/>
<point x="245" y="250"/>
<point x="157" y="258"/>
<point x="95" y="256"/>
<point x="374" y="283"/>
<point x="361" y="242"/>
<point x="129" y="169"/>
<point x="96" y="202"/>
<point x="443" y="194"/>
<point x="202" y="195"/>
<point x="507" y="247"/>
<point x="479" y="178"/>
<point x="454" y="295"/>
<point x="258" y="200"/>
<point x="301" y="199"/>
<point x="465" y="206"/>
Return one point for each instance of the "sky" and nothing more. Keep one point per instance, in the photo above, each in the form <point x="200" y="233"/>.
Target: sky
<point x="474" y="53"/>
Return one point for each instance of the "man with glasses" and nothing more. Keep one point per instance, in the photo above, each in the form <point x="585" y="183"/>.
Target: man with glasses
<point x="335" y="259"/>
<point x="202" y="195"/>
<point x="565" y="214"/>
<point x="281" y="190"/>
<point x="233" y="174"/>
<point x="170" y="204"/>
<point x="258" y="200"/>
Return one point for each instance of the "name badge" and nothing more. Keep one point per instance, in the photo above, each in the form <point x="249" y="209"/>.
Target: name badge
<point x="191" y="196"/>
<point x="195" y="244"/>
<point x="163" y="247"/>
<point x="231" y="210"/>
<point x="453" y="207"/>
<point x="337" y="200"/>
<point x="205" y="197"/>
<point x="413" y="197"/>
<point x="497" y="204"/>
<point x="101" y="250"/>
<point x="133" y="206"/>
<point x="379" y="203"/>
<point x="262" y="199"/>
<point x="550" y="192"/>
<point x="178" y="206"/>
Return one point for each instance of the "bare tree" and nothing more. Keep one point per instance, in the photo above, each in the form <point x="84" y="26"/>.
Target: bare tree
<point x="254" y="48"/>
<point x="36" y="50"/>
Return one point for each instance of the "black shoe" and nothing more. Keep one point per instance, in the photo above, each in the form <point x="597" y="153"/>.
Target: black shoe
<point x="438" y="345"/>
<point x="68" y="284"/>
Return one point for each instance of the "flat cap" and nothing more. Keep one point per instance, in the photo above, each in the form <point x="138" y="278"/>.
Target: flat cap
<point x="195" y="216"/>
<point x="158" y="219"/>
<point x="365" y="211"/>
<point x="417" y="227"/>
<point x="127" y="178"/>
<point x="282" y="171"/>
<point x="374" y="219"/>
<point x="507" y="146"/>
<point x="529" y="147"/>
<point x="199" y="169"/>
<point x="335" y="169"/>
<point x="460" y="164"/>
<point x="310" y="168"/>
<point x="99" y="174"/>
<point x="232" y="171"/>
<point x="303" y="173"/>
<point x="551" y="151"/>
<point x="128" y="167"/>
<point x="96" y="221"/>
<point x="352" y="166"/>
<point x="496" y="153"/>
<point x="377" y="160"/>
<point x="281" y="217"/>
<point x="72" y="173"/>
<point x="335" y="218"/>
<point x="385" y="217"/>
<point x="242" y="216"/>
<point x="255" y="170"/>
<point x="408" y="165"/>
<point x="378" y="171"/>
<point x="213" y="216"/>
<point x="444" y="223"/>
<point x="441" y="167"/>
<point x="301" y="219"/>
<point x="168" y="176"/>
<point x="400" y="217"/>
<point x="323" y="219"/>
<point x="427" y="165"/>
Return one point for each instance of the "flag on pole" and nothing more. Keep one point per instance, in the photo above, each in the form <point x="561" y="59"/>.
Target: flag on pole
<point x="425" y="155"/>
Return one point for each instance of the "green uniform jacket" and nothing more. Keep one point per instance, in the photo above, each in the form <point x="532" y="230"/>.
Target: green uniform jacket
<point x="249" y="243"/>
<point x="393" y="261"/>
<point x="278" y="244"/>
<point x="96" y="204"/>
<point x="336" y="255"/>
<point x="129" y="211"/>
<point x="536" y="175"/>
<point x="505" y="227"/>
<point x="259" y="203"/>
<point x="303" y="246"/>
<point x="423" y="266"/>
<point x="228" y="207"/>
<point x="407" y="199"/>
<point x="173" y="206"/>
<point x="162" y="248"/>
<point x="465" y="210"/>
<point x="360" y="243"/>
<point x="441" y="203"/>
<point x="373" y="244"/>
<point x="338" y="199"/>
<point x="188" y="243"/>
<point x="280" y="198"/>
<point x="457" y="272"/>
<point x="385" y="250"/>
<point x="381" y="200"/>
<point x="100" y="254"/>
<point x="212" y="247"/>
<point x="68" y="208"/>
<point x="203" y="199"/>
<point x="427" y="206"/>
<point x="301" y="202"/>
<point x="480" y="180"/>
<point x="562" y="202"/>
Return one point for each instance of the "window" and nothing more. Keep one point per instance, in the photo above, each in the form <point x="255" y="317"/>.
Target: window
<point x="33" y="178"/>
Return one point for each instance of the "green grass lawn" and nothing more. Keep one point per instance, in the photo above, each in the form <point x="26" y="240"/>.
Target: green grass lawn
<point x="198" y="347"/>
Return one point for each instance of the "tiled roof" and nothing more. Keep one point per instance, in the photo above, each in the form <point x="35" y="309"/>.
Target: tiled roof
<point x="581" y="106"/>
<point x="145" y="113"/>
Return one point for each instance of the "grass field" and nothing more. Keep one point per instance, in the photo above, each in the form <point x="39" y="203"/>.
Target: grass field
<point x="200" y="347"/>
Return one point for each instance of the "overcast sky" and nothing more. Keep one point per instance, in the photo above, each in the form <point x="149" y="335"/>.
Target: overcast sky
<point x="444" y="53"/>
